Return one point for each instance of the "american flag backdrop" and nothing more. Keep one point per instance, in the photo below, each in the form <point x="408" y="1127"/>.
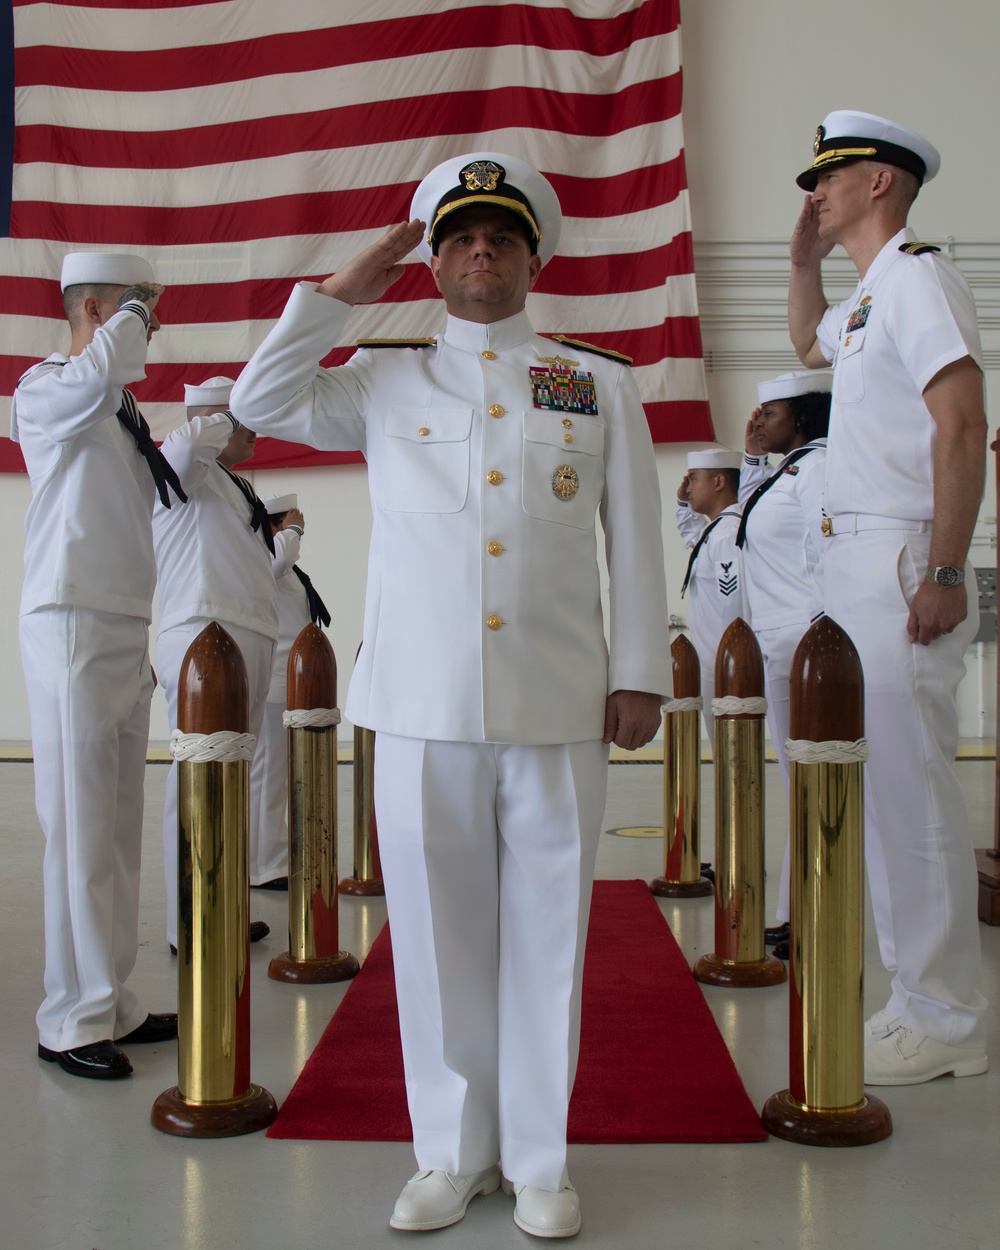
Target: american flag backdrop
<point x="244" y="144"/>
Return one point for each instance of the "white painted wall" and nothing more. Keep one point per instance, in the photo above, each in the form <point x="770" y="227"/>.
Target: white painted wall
<point x="759" y="77"/>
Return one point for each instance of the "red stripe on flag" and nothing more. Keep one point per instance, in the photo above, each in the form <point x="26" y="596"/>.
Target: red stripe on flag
<point x="491" y="26"/>
<point x="355" y="125"/>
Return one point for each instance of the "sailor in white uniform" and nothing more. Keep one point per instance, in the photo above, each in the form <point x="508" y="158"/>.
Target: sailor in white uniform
<point x="485" y="671"/>
<point x="782" y="547"/>
<point x="904" y="478"/>
<point x="85" y="612"/>
<point x="299" y="605"/>
<point x="708" y="516"/>
<point x="214" y="564"/>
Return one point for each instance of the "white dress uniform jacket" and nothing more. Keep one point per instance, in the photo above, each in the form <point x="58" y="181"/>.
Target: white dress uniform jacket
<point x="85" y="609"/>
<point x="908" y="318"/>
<point x="507" y="643"/>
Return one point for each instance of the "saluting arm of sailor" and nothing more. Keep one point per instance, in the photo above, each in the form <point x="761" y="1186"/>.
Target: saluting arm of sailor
<point x="283" y="392"/>
<point x="690" y="524"/>
<point x="194" y="447"/>
<point x="65" y="401"/>
<point x="806" y="301"/>
<point x="286" y="551"/>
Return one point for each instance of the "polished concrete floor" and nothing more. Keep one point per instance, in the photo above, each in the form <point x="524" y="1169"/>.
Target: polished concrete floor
<point x="81" y="1167"/>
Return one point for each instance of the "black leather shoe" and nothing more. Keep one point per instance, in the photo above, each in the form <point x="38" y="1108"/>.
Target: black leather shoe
<point x="780" y="933"/>
<point x="258" y="929"/>
<point x="100" y="1061"/>
<point x="781" y="951"/>
<point x="708" y="872"/>
<point x="279" y="883"/>
<point x="162" y="1028"/>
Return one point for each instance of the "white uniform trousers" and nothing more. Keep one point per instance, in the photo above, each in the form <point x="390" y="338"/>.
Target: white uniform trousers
<point x="921" y="866"/>
<point x="488" y="857"/>
<point x="171" y="647"/>
<point x="777" y="647"/>
<point x="89" y="688"/>
<point x="269" y="798"/>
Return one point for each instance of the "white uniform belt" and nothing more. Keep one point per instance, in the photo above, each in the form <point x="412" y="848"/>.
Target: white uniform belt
<point x="854" y="522"/>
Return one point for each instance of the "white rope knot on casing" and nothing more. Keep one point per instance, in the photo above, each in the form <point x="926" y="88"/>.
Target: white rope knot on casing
<point x="310" y="717"/>
<point x="803" y="751"/>
<point x="224" y="746"/>
<point x="732" y="705"/>
<point x="694" y="704"/>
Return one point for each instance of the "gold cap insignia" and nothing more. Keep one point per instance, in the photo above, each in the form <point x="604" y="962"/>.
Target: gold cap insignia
<point x="482" y="176"/>
<point x="820" y="136"/>
<point x="565" y="482"/>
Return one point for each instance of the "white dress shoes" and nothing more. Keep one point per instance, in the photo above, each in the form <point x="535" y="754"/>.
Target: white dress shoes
<point x="878" y="1026"/>
<point x="543" y="1213"/>
<point x="902" y="1056"/>
<point x="437" y="1199"/>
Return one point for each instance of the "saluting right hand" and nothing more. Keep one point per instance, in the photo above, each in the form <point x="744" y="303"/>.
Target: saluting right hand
<point x="145" y="292"/>
<point x="807" y="249"/>
<point x="369" y="275"/>
<point x="682" y="491"/>
<point x="753" y="438"/>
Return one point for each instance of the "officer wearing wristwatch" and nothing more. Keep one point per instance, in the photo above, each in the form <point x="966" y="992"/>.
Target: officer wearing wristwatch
<point x="946" y="575"/>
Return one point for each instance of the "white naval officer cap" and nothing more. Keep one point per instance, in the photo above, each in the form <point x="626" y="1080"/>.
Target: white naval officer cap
<point x="489" y="178"/>
<point x="213" y="392"/>
<point x="279" y="503"/>
<point x="104" y="269"/>
<point x="846" y="136"/>
<point x="717" y="458"/>
<point x="791" y="385"/>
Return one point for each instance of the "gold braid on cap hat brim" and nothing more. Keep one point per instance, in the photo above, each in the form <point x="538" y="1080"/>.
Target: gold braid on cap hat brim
<point x="501" y="201"/>
<point x="841" y="154"/>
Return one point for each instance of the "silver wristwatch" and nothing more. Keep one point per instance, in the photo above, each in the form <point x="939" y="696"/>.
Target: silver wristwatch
<point x="946" y="575"/>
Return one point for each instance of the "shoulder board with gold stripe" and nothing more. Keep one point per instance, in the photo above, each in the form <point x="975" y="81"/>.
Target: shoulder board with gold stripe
<point x="396" y="343"/>
<point x="917" y="249"/>
<point x="589" y="347"/>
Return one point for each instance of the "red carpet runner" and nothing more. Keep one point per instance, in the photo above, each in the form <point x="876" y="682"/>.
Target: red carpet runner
<point x="653" y="1066"/>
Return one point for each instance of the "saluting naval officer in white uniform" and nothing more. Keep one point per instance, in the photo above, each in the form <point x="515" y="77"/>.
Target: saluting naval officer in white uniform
<point x="298" y="605"/>
<point x="708" y="515"/>
<point x="214" y="564"/>
<point x="85" y="612"/>
<point x="781" y="550"/>
<point x="485" y="672"/>
<point x="904" y="478"/>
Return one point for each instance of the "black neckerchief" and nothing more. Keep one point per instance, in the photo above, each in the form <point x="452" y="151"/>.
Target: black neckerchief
<point x="764" y="487"/>
<point x="317" y="608"/>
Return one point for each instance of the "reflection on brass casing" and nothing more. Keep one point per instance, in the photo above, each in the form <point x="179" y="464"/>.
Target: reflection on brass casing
<point x="312" y="843"/>
<point x="213" y="1048"/>
<point x="681" y="809"/>
<point x="739" y="841"/>
<point x="367" y="876"/>
<point x="826" y="993"/>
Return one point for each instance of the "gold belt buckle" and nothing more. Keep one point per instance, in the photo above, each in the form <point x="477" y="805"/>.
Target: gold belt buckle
<point x="826" y="529"/>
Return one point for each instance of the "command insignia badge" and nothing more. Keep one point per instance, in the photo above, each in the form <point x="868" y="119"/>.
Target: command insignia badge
<point x="565" y="482"/>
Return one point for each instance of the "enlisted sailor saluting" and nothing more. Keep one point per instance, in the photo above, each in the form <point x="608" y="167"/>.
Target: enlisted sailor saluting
<point x="491" y="452"/>
<point x="85" y="612"/>
<point x="708" y="515"/>
<point x="782" y="548"/>
<point x="214" y="564"/>
<point x="904" y="477"/>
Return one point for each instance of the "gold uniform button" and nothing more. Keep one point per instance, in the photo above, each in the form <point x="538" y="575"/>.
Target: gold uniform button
<point x="493" y="622"/>
<point x="494" y="477"/>
<point x="423" y="431"/>
<point x="567" y="438"/>
<point x="497" y="410"/>
<point x="494" y="548"/>
<point x="488" y="355"/>
<point x="567" y="423"/>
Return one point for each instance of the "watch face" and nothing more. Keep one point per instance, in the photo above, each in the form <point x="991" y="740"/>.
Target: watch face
<point x="945" y="575"/>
